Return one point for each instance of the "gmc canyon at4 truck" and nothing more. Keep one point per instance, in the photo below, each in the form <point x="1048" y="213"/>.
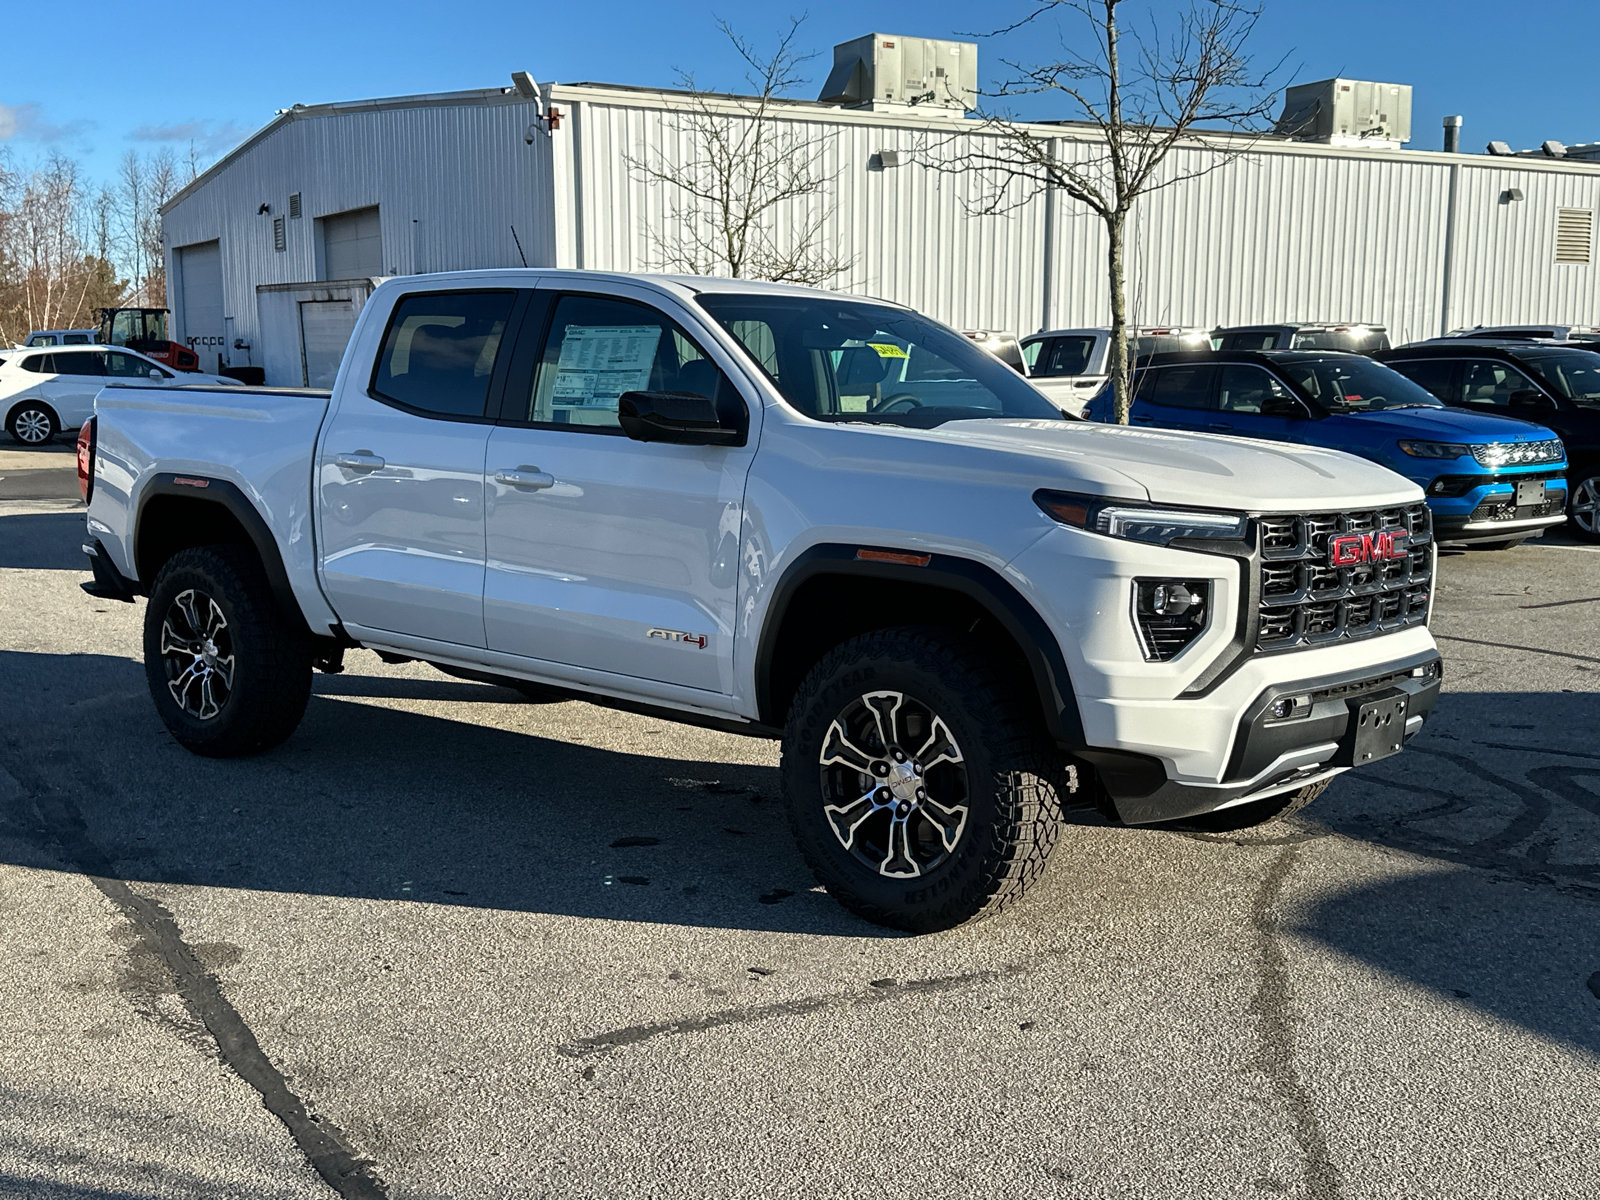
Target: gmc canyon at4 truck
<point x="791" y="514"/>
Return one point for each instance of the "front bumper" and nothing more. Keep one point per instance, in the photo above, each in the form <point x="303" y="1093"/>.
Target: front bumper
<point x="1468" y="530"/>
<point x="1273" y="755"/>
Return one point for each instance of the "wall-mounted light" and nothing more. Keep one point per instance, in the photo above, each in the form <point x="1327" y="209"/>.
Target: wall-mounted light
<point x="883" y="160"/>
<point x="263" y="210"/>
<point x="1510" y="195"/>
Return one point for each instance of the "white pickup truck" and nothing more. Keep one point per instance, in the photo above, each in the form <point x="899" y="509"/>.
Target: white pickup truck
<point x="790" y="514"/>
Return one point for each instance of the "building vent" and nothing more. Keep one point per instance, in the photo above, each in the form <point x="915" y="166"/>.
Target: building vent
<point x="886" y="71"/>
<point x="280" y="243"/>
<point x="1574" y="234"/>
<point x="294" y="206"/>
<point x="1347" y="112"/>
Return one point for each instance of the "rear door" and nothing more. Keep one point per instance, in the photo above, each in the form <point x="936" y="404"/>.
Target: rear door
<point x="1179" y="396"/>
<point x="79" y="376"/>
<point x="400" y="469"/>
<point x="607" y="554"/>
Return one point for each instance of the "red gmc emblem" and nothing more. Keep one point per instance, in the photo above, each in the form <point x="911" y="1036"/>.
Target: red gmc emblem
<point x="1353" y="549"/>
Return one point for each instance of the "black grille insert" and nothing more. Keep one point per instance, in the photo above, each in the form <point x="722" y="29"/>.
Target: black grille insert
<point x="1307" y="599"/>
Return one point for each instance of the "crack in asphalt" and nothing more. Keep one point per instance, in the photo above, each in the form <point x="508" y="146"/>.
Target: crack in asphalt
<point x="1270" y="1007"/>
<point x="59" y="821"/>
<point x="881" y="990"/>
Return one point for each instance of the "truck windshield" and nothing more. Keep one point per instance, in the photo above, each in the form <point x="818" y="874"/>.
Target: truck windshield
<point x="844" y="360"/>
<point x="1356" y="385"/>
<point x="1574" y="374"/>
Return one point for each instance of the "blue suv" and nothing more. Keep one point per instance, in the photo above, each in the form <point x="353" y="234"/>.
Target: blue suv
<point x="1491" y="481"/>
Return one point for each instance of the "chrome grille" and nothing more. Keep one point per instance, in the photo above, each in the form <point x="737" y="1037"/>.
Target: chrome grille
<point x="1518" y="454"/>
<point x="1306" y="600"/>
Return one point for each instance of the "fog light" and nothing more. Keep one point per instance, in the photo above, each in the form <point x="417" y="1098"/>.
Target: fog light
<point x="1285" y="708"/>
<point x="1169" y="614"/>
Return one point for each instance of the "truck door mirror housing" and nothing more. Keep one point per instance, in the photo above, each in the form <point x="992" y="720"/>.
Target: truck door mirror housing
<point x="154" y="374"/>
<point x="683" y="418"/>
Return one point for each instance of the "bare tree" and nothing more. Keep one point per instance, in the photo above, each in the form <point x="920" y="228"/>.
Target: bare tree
<point x="1145" y="95"/>
<point x="751" y="199"/>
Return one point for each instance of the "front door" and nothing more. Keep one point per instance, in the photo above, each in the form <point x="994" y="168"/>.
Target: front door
<point x="400" y="470"/>
<point x="1253" y="403"/>
<point x="607" y="554"/>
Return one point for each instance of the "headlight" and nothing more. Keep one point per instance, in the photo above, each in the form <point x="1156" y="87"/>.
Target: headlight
<point x="1140" y="522"/>
<point x="1436" y="449"/>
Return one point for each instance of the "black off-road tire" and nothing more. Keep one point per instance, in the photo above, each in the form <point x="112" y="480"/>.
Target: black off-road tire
<point x="1013" y="814"/>
<point x="1258" y="812"/>
<point x="33" y="423"/>
<point x="271" y="668"/>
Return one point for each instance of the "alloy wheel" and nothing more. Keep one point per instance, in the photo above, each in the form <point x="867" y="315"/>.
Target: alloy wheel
<point x="1585" y="506"/>
<point x="894" y="784"/>
<point x="197" y="651"/>
<point x="32" y="425"/>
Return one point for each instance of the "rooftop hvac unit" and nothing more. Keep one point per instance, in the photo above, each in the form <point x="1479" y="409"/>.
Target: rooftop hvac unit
<point x="884" y="70"/>
<point x="1348" y="112"/>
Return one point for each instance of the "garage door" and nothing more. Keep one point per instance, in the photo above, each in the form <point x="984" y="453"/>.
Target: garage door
<point x="200" y="302"/>
<point x="325" y="328"/>
<point x="352" y="247"/>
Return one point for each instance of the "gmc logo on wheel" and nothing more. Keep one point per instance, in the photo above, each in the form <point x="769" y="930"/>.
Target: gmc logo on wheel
<point x="1353" y="549"/>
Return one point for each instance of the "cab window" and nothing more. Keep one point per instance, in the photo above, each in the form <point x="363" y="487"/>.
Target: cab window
<point x="439" y="352"/>
<point x="599" y="348"/>
<point x="1251" y="339"/>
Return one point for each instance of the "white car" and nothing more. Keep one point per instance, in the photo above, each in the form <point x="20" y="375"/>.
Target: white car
<point x="45" y="392"/>
<point x="1069" y="365"/>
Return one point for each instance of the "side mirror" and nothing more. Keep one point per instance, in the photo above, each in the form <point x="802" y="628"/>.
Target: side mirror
<point x="1287" y="407"/>
<point x="1528" y="398"/>
<point x="682" y="418"/>
<point x="154" y="374"/>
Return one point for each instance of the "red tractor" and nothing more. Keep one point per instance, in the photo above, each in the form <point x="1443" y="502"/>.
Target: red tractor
<point x="145" y="330"/>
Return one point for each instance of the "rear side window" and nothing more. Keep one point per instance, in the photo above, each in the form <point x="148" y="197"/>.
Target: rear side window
<point x="598" y="348"/>
<point x="1435" y="375"/>
<point x="42" y="364"/>
<point x="79" y="364"/>
<point x="1251" y="339"/>
<point x="439" y="354"/>
<point x="1179" y="387"/>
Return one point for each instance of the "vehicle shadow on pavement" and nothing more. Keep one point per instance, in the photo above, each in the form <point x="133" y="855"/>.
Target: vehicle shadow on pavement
<point x="1516" y="935"/>
<point x="43" y="542"/>
<point x="377" y="802"/>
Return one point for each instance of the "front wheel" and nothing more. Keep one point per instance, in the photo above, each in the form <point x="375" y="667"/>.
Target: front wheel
<point x="229" y="672"/>
<point x="1584" y="508"/>
<point x="32" y="423"/>
<point x="917" y="786"/>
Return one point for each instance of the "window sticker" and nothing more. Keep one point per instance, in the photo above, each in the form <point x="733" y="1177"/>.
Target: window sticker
<point x="887" y="350"/>
<point x="600" y="362"/>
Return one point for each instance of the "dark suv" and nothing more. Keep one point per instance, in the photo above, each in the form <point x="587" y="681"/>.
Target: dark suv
<point x="1361" y="337"/>
<point x="1556" y="384"/>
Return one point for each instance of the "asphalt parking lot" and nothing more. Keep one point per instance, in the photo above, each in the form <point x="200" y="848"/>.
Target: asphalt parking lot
<point x="448" y="942"/>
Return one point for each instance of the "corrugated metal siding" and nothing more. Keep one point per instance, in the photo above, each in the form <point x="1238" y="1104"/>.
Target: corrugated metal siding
<point x="449" y="181"/>
<point x="1281" y="233"/>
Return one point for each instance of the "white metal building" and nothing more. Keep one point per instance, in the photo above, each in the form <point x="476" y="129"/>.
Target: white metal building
<point x="271" y="252"/>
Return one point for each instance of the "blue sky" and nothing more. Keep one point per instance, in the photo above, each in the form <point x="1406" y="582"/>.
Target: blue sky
<point x="214" y="72"/>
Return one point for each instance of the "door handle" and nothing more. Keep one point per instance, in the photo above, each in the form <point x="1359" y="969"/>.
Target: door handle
<point x="361" y="460"/>
<point x="528" y="479"/>
<point x="1220" y="428"/>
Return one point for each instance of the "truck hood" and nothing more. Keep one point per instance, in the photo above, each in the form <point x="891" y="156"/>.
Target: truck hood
<point x="1445" y="425"/>
<point x="1200" y="469"/>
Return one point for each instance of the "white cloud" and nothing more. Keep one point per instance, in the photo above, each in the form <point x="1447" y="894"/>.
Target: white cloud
<point x="24" y="123"/>
<point x="209" y="138"/>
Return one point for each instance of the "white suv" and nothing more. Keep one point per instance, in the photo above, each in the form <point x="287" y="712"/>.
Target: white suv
<point x="43" y="392"/>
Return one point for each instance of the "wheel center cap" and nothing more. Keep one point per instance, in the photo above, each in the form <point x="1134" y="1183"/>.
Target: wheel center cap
<point x="208" y="652"/>
<point x="903" y="781"/>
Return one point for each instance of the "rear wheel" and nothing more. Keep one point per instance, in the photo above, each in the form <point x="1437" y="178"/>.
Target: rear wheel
<point x="32" y="423"/>
<point x="1584" y="508"/>
<point x="917" y="787"/>
<point x="229" y="672"/>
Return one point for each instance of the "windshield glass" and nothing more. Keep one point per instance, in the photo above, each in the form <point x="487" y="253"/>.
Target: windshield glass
<point x="1356" y="385"/>
<point x="844" y="360"/>
<point x="1574" y="374"/>
<point x="1359" y="340"/>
